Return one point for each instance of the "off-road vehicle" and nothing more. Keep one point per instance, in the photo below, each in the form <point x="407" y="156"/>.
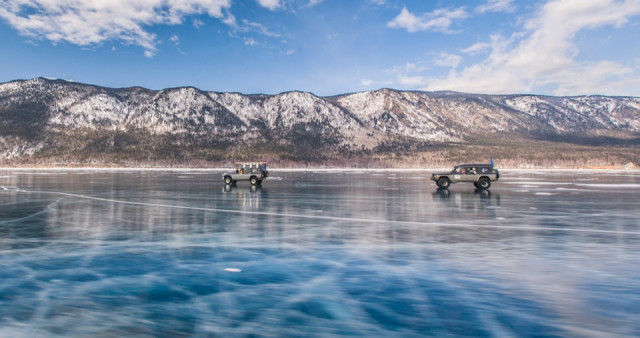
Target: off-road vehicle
<point x="254" y="172"/>
<point x="481" y="175"/>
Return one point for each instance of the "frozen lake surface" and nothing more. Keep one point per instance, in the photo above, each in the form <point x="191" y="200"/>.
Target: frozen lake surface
<point x="158" y="253"/>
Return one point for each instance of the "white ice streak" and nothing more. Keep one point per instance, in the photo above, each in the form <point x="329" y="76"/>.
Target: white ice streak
<point x="609" y="185"/>
<point x="539" y="183"/>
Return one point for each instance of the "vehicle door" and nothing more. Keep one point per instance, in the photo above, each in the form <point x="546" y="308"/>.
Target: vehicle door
<point x="457" y="174"/>
<point x="485" y="171"/>
<point x="243" y="172"/>
<point x="469" y="174"/>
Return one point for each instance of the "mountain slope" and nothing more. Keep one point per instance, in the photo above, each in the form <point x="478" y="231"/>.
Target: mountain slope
<point x="42" y="120"/>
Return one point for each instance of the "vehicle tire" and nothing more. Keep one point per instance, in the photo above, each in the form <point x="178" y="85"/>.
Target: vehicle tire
<point x="444" y="183"/>
<point x="484" y="183"/>
<point x="227" y="180"/>
<point x="253" y="180"/>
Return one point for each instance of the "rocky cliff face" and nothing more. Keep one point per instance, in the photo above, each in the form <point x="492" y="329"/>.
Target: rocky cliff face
<point x="43" y="117"/>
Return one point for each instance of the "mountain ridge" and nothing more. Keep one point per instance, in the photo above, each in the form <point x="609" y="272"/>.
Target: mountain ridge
<point x="43" y="120"/>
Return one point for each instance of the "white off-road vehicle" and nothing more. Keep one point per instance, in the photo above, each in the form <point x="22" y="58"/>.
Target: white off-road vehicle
<point x="481" y="175"/>
<point x="254" y="172"/>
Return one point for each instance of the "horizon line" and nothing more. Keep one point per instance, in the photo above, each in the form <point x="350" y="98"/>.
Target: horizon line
<point x="450" y="92"/>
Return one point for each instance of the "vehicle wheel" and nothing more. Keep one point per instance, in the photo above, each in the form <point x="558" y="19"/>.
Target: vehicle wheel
<point x="444" y="183"/>
<point x="484" y="183"/>
<point x="253" y="180"/>
<point x="227" y="180"/>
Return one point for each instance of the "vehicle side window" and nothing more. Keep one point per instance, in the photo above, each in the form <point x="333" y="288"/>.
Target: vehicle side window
<point x="468" y="170"/>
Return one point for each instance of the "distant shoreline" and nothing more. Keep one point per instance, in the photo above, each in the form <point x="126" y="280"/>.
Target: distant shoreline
<point x="599" y="169"/>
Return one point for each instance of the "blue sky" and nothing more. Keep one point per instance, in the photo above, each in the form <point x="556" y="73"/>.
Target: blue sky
<point x="328" y="47"/>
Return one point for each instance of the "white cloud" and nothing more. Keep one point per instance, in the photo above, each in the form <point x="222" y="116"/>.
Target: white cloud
<point x="270" y="4"/>
<point x="175" y="39"/>
<point x="371" y="83"/>
<point x="248" y="30"/>
<point x="544" y="54"/>
<point x="414" y="67"/>
<point x="447" y="60"/>
<point x="230" y="20"/>
<point x="476" y="47"/>
<point x="367" y="82"/>
<point x="86" y="22"/>
<point x="378" y="2"/>
<point x="496" y="6"/>
<point x="439" y="20"/>
<point x="407" y="75"/>
<point x="197" y="23"/>
<point x="408" y="68"/>
<point x="413" y="81"/>
<point x="258" y="28"/>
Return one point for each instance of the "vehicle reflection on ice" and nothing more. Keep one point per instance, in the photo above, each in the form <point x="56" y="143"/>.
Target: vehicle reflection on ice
<point x="480" y="192"/>
<point x="479" y="203"/>
<point x="232" y="187"/>
<point x="246" y="196"/>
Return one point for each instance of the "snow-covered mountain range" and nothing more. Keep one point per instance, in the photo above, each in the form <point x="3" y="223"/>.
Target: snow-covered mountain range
<point x="36" y="116"/>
